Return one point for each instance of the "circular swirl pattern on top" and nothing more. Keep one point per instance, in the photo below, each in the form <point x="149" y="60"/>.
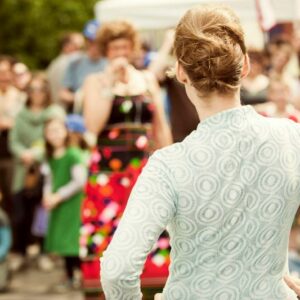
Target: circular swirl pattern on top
<point x="228" y="166"/>
<point x="261" y="287"/>
<point x="270" y="181"/>
<point x="245" y="280"/>
<point x="186" y="226"/>
<point x="187" y="203"/>
<point x="174" y="153"/>
<point x="263" y="262"/>
<point x="202" y="284"/>
<point x="227" y="293"/>
<point x="249" y="173"/>
<point x="144" y="190"/>
<point x="251" y="227"/>
<point x="268" y="236"/>
<point x="161" y="211"/>
<point x="126" y="237"/>
<point x="224" y="140"/>
<point x="206" y="185"/>
<point x="249" y="254"/>
<point x="181" y="173"/>
<point x="237" y="121"/>
<point x="292" y="188"/>
<point x="267" y="153"/>
<point x="232" y="246"/>
<point x="208" y="237"/>
<point x="183" y="268"/>
<point x="229" y="271"/>
<point x="232" y="195"/>
<point x="208" y="260"/>
<point x="258" y="129"/>
<point x="112" y="265"/>
<point x="184" y="245"/>
<point x="209" y="214"/>
<point x="234" y="221"/>
<point x="279" y="134"/>
<point x="200" y="156"/>
<point x="245" y="146"/>
<point x="251" y="200"/>
<point x="136" y="213"/>
<point x="272" y="208"/>
<point x="289" y="158"/>
<point x="114" y="291"/>
<point x="178" y="292"/>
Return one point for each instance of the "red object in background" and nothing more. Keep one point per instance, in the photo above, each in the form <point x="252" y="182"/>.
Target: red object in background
<point x="90" y="269"/>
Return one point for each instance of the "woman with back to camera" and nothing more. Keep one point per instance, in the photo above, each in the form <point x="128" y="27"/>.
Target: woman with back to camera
<point x="122" y="107"/>
<point x="228" y="193"/>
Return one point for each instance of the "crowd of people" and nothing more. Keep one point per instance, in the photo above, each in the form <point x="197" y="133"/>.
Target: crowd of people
<point x="74" y="139"/>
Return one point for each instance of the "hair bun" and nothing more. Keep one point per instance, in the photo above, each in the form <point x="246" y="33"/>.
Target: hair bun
<point x="209" y="44"/>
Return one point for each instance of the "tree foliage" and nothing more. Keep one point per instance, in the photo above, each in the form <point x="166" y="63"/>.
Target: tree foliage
<point x="30" y="29"/>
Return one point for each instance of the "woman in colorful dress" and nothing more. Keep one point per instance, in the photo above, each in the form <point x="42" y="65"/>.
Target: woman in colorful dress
<point x="123" y="108"/>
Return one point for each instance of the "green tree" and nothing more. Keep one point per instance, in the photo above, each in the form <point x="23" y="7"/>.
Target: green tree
<point x="30" y="29"/>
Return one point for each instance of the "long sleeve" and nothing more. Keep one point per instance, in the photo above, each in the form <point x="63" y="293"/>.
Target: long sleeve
<point x="79" y="176"/>
<point x="46" y="172"/>
<point x="151" y="206"/>
<point x="15" y="146"/>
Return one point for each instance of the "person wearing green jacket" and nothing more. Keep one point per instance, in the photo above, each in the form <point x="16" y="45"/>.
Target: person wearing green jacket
<point x="27" y="146"/>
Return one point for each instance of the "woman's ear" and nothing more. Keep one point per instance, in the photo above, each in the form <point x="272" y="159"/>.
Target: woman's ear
<point x="180" y="73"/>
<point x="246" y="66"/>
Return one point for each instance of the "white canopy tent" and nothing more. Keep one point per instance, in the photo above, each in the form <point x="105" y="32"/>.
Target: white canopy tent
<point x="157" y="15"/>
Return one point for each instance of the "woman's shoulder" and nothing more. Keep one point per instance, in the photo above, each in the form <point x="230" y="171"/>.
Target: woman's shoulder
<point x="172" y="154"/>
<point x="54" y="110"/>
<point x="95" y="78"/>
<point x="24" y="115"/>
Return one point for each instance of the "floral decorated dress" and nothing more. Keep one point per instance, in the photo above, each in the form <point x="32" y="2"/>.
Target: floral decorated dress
<point x="123" y="149"/>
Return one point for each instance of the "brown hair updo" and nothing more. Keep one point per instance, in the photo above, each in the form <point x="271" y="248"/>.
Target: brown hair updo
<point x="209" y="45"/>
<point x="114" y="30"/>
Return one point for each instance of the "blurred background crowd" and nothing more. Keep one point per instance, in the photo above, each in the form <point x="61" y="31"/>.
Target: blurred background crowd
<point x="81" y="111"/>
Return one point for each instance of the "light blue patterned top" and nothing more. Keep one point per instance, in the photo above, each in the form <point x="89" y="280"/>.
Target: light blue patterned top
<point x="228" y="195"/>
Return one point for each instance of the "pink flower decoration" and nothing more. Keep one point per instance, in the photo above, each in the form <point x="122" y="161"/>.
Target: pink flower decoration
<point x="163" y="243"/>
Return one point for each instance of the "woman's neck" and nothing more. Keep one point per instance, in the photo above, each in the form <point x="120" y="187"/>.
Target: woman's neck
<point x="36" y="108"/>
<point x="59" y="152"/>
<point x="213" y="104"/>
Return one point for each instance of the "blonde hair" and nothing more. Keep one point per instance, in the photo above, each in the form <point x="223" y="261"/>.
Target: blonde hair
<point x="209" y="45"/>
<point x="114" y="30"/>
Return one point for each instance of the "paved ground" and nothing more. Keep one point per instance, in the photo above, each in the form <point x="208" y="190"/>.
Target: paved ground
<point x="32" y="284"/>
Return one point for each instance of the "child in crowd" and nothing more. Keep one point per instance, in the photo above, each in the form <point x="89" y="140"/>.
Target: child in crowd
<point x="5" y="243"/>
<point x="77" y="136"/>
<point x="279" y="101"/>
<point x="62" y="197"/>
